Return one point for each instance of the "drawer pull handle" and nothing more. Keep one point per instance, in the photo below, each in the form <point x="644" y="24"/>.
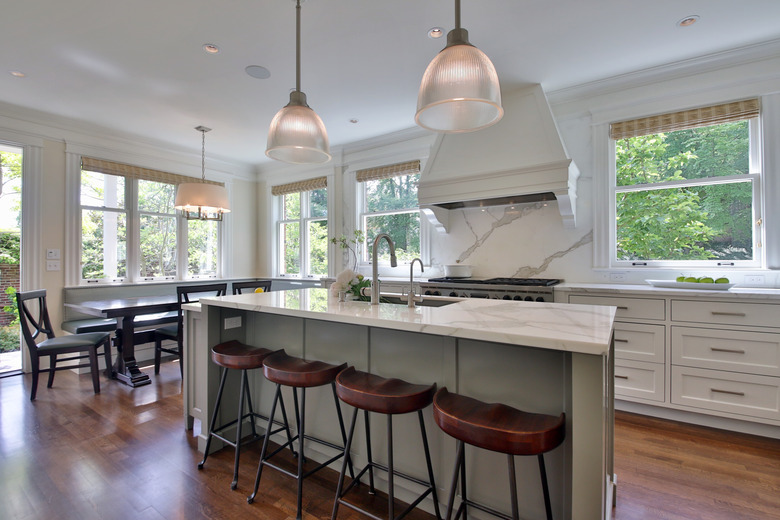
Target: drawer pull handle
<point x="618" y="376"/>
<point x="731" y="350"/>
<point x="622" y="308"/>
<point x="719" y="313"/>
<point x="621" y="340"/>
<point x="741" y="394"/>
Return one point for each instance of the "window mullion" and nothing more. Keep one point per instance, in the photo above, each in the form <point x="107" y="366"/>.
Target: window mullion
<point x="133" y="230"/>
<point x="687" y="183"/>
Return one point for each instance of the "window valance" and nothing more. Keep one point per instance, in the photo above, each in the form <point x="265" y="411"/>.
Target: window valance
<point x="136" y="172"/>
<point x="391" y="170"/>
<point x="297" y="187"/>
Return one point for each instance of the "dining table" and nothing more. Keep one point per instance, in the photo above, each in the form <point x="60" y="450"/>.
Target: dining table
<point x="130" y="313"/>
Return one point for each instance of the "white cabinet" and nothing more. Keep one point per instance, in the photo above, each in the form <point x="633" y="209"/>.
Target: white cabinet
<point x="717" y="354"/>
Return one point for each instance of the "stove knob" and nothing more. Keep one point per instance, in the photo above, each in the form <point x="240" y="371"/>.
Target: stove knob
<point x="453" y="293"/>
<point x="427" y="293"/>
<point x="436" y="293"/>
<point x="539" y="299"/>
<point x="507" y="297"/>
<point x="518" y="298"/>
<point x="528" y="299"/>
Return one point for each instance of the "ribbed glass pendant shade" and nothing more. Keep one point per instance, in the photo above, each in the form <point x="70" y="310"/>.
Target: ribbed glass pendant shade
<point x="459" y="91"/>
<point x="297" y="134"/>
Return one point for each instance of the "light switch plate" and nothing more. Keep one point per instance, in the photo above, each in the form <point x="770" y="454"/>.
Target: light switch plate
<point x="52" y="265"/>
<point x="52" y="254"/>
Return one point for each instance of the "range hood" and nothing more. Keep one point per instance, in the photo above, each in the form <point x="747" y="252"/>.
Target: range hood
<point x="520" y="159"/>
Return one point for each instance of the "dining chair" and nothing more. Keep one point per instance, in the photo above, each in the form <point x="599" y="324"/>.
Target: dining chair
<point x="185" y="294"/>
<point x="238" y="287"/>
<point x="34" y="321"/>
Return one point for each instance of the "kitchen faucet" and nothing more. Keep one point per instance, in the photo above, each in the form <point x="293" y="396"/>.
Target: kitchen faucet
<point x="375" y="265"/>
<point x="411" y="298"/>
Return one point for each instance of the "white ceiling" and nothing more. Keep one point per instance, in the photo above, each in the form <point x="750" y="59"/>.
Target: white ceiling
<point x="138" y="67"/>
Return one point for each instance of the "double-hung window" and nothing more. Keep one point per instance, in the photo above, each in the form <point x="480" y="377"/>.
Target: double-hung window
<point x="685" y="189"/>
<point x="131" y="232"/>
<point x="388" y="204"/>
<point x="302" y="228"/>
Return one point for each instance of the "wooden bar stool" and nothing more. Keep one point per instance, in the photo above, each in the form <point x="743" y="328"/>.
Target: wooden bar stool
<point x="237" y="356"/>
<point x="298" y="373"/>
<point x="372" y="393"/>
<point x="499" y="428"/>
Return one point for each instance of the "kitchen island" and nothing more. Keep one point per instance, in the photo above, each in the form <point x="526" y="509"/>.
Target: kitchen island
<point x="539" y="357"/>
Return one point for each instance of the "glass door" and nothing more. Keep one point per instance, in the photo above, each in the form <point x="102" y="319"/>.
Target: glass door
<point x="10" y="256"/>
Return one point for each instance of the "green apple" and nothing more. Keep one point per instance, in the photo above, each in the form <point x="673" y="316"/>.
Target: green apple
<point x="722" y="279"/>
<point x="681" y="278"/>
<point x="706" y="279"/>
<point x="692" y="279"/>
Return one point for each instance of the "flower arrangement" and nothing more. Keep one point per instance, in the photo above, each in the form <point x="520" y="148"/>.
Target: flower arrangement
<point x="354" y="245"/>
<point x="350" y="282"/>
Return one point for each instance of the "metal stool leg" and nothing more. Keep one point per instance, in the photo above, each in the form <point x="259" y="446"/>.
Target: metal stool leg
<point x="301" y="424"/>
<point x="545" y="489"/>
<point x="371" y="489"/>
<point x="340" y="485"/>
<point x="513" y="486"/>
<point x="454" y="483"/>
<point x="390" y="471"/>
<point x="214" y="417"/>
<point x="434" y="495"/>
<point x="341" y="427"/>
<point x="463" y="506"/>
<point x="240" y="421"/>
<point x="251" y="498"/>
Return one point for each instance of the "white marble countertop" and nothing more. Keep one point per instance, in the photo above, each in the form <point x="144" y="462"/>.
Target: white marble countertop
<point x="583" y="329"/>
<point x="746" y="293"/>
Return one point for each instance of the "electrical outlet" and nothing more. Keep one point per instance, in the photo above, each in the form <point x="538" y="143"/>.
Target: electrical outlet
<point x="617" y="277"/>
<point x="52" y="265"/>
<point x="232" y="323"/>
<point x="757" y="279"/>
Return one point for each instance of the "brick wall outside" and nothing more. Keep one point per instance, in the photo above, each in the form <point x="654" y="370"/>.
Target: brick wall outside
<point x="9" y="277"/>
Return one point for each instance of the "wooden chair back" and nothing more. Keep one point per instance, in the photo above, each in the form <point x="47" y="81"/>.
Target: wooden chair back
<point x="33" y="318"/>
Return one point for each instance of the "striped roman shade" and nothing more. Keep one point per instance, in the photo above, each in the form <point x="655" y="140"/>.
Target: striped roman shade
<point x="91" y="164"/>
<point x="385" y="172"/>
<point x="297" y="187"/>
<point x="685" y="119"/>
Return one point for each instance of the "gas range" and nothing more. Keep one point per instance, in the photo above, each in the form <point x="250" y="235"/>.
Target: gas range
<point x="520" y="289"/>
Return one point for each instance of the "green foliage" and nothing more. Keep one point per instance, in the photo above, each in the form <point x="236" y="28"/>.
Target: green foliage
<point x="693" y="223"/>
<point x="9" y="338"/>
<point x="13" y="308"/>
<point x="10" y="247"/>
<point x="10" y="176"/>
<point x="353" y="244"/>
<point x="395" y="199"/>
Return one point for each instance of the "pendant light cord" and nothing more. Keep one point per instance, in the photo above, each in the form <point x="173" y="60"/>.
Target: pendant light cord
<point x="457" y="14"/>
<point x="203" y="155"/>
<point x="298" y="45"/>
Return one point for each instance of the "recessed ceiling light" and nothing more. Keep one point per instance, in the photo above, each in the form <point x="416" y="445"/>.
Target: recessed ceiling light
<point x="17" y="73"/>
<point x="353" y="121"/>
<point x="256" y="71"/>
<point x="210" y="48"/>
<point x="688" y="21"/>
<point x="435" y="32"/>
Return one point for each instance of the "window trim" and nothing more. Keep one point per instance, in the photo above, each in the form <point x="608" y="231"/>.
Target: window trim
<point x="303" y="189"/>
<point x="605" y="224"/>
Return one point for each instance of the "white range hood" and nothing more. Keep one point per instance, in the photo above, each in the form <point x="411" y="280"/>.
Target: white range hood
<point x="520" y="159"/>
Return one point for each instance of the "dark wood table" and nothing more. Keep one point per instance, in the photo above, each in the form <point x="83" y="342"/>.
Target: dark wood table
<point x="126" y="310"/>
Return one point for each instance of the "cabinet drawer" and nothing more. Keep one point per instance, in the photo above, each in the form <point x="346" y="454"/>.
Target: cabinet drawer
<point x="727" y="313"/>
<point x="642" y="308"/>
<point x="755" y="396"/>
<point x="637" y="379"/>
<point x="737" y="351"/>
<point x="639" y="342"/>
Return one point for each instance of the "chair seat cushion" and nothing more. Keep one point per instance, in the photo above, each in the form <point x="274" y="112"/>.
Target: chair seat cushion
<point x="169" y="331"/>
<point x="89" y="325"/>
<point x="73" y="341"/>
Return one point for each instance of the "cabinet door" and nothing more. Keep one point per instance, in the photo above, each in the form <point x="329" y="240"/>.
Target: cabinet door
<point x="742" y="394"/>
<point x="631" y="308"/>
<point x="640" y="342"/>
<point x="637" y="379"/>
<point x="737" y="351"/>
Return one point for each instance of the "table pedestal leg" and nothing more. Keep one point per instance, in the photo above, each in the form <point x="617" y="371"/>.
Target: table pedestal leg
<point x="126" y="368"/>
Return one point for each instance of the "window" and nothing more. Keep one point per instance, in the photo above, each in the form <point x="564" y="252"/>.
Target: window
<point x="388" y="201"/>
<point x="130" y="230"/>
<point x="302" y="228"/>
<point x="686" y="188"/>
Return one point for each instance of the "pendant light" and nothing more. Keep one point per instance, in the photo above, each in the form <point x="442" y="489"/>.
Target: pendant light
<point x="198" y="200"/>
<point x="459" y="90"/>
<point x="297" y="134"/>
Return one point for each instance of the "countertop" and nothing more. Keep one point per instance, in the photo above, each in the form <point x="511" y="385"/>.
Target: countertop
<point x="742" y="293"/>
<point x="584" y="329"/>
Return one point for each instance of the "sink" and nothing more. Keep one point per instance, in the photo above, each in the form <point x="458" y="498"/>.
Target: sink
<point x="425" y="303"/>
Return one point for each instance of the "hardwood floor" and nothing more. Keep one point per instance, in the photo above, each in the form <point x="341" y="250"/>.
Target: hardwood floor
<point x="124" y="454"/>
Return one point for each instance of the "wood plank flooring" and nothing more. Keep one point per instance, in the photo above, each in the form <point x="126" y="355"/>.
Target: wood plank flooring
<point x="124" y="454"/>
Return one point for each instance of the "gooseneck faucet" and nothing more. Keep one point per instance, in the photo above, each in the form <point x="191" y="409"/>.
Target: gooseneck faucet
<point x="375" y="265"/>
<point x="411" y="298"/>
